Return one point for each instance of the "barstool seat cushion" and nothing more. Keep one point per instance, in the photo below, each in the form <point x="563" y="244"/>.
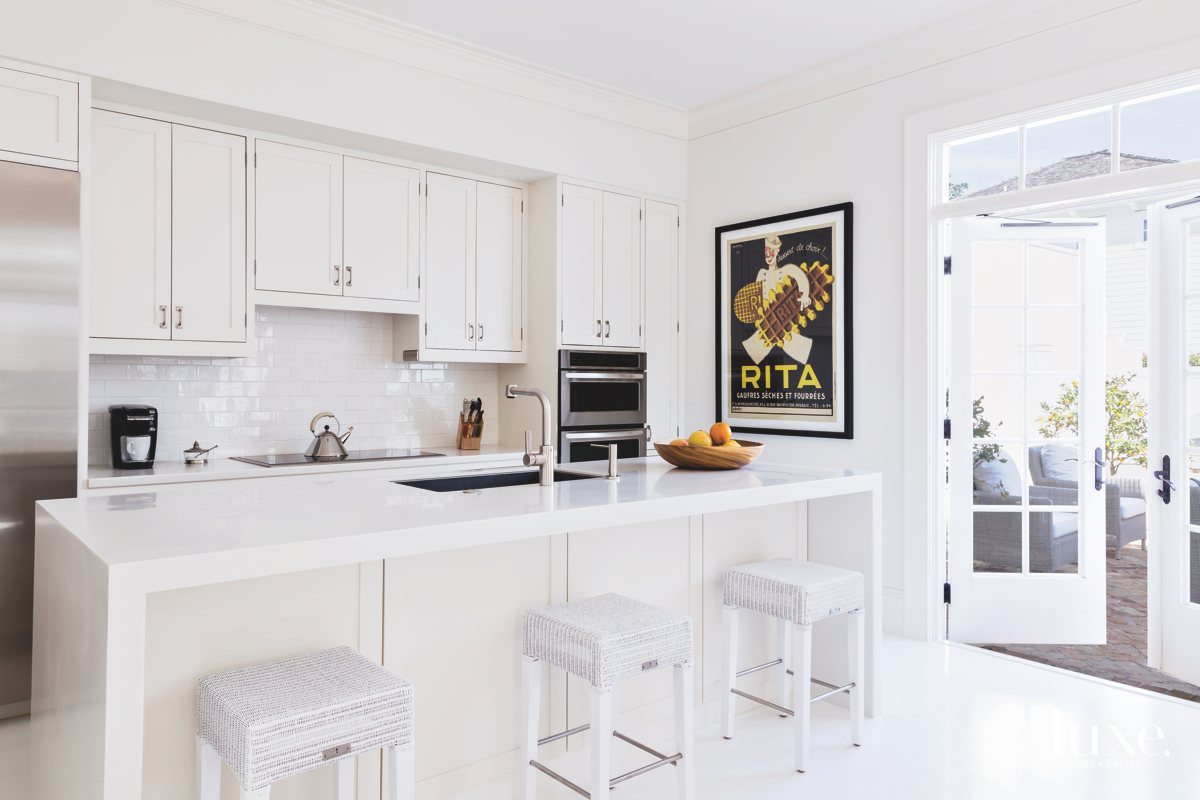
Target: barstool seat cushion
<point x="607" y="638"/>
<point x="800" y="592"/>
<point x="281" y="718"/>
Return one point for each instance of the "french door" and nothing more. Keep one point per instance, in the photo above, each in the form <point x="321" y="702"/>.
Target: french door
<point x="1026" y="410"/>
<point x="1174" y="493"/>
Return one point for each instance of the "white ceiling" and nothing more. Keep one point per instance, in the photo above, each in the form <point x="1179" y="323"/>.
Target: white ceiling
<point x="682" y="52"/>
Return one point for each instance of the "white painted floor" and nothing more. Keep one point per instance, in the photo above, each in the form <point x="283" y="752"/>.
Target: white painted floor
<point x="959" y="724"/>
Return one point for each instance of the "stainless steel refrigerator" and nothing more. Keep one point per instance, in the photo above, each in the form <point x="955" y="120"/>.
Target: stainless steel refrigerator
<point x="39" y="389"/>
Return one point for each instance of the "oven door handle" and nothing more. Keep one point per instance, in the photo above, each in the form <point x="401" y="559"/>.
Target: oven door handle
<point x="605" y="377"/>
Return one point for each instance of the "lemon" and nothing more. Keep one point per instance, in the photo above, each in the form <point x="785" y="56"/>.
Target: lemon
<point x="700" y="439"/>
<point x="731" y="443"/>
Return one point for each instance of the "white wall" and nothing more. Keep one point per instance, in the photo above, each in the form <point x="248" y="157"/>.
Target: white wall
<point x="306" y="361"/>
<point x="850" y="146"/>
<point x="302" y="61"/>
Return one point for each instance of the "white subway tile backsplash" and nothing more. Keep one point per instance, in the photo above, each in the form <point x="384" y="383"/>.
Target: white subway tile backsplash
<point x="305" y="361"/>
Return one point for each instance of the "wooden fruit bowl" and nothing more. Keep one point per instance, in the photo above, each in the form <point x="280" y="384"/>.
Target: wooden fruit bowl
<point x="709" y="457"/>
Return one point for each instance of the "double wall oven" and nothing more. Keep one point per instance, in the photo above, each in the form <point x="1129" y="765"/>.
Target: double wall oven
<point x="601" y="401"/>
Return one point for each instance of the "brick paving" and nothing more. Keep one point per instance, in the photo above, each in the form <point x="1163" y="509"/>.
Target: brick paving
<point x="1123" y="659"/>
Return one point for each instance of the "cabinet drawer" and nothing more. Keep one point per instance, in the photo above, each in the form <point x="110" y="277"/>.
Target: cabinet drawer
<point x="39" y="116"/>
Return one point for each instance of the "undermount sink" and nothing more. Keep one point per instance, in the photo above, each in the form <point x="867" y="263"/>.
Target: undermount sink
<point x="489" y="480"/>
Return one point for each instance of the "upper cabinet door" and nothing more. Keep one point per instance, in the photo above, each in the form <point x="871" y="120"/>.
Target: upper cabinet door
<point x="39" y="116"/>
<point x="208" y="242"/>
<point x="623" y="286"/>
<point x="298" y="219"/>
<point x="130" y="227"/>
<point x="581" y="264"/>
<point x="449" y="262"/>
<point x="662" y="334"/>
<point x="381" y="230"/>
<point x="498" y="281"/>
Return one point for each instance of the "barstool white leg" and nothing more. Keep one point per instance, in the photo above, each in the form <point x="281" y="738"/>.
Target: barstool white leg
<point x="857" y="638"/>
<point x="803" y="692"/>
<point x="208" y="771"/>
<point x="601" y="733"/>
<point x="402" y="772"/>
<point x="531" y="697"/>
<point x="728" y="707"/>
<point x="343" y="779"/>
<point x="784" y="636"/>
<point x="685" y="734"/>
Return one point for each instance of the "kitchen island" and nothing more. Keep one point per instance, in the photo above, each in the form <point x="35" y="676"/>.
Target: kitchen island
<point x="137" y="595"/>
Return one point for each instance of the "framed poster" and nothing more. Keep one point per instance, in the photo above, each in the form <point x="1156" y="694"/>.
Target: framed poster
<point x="784" y="322"/>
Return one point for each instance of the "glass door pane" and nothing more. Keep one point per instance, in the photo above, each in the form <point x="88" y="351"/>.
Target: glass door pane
<point x="1025" y="366"/>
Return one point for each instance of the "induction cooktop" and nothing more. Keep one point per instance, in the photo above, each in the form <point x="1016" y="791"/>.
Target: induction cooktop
<point x="291" y="459"/>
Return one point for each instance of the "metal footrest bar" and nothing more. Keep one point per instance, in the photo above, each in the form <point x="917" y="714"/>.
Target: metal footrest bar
<point x="766" y="703"/>
<point x="833" y="691"/>
<point x="663" y="760"/>
<point x="542" y="768"/>
<point x="760" y="668"/>
<point x="554" y="737"/>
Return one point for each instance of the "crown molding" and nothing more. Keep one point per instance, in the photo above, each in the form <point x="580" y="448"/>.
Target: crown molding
<point x="992" y="26"/>
<point x="336" y="25"/>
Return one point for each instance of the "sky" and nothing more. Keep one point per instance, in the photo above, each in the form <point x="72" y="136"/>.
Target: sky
<point x="1161" y="128"/>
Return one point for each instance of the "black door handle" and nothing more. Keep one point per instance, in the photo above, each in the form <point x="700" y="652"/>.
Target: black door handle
<point x="1164" y="475"/>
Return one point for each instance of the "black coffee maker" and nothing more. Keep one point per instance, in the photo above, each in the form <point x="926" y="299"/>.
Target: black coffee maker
<point x="134" y="432"/>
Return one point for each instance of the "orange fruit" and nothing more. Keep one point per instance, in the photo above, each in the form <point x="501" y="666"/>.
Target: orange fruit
<point x="700" y="439"/>
<point x="720" y="433"/>
<point x="679" y="442"/>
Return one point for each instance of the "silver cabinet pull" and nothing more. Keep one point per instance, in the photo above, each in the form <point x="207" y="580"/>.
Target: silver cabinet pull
<point x="481" y="331"/>
<point x="649" y="433"/>
<point x="349" y="276"/>
<point x="599" y="329"/>
<point x="607" y="329"/>
<point x="162" y="322"/>
<point x="337" y="275"/>
<point x="178" y="317"/>
<point x="471" y="332"/>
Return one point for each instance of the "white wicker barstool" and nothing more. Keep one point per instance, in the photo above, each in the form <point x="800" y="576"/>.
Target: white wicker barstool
<point x="795" y="593"/>
<point x="274" y="720"/>
<point x="604" y="640"/>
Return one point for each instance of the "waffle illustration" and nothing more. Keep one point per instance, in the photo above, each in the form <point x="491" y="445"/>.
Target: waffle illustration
<point x="748" y="303"/>
<point x="781" y="313"/>
<point x="820" y="279"/>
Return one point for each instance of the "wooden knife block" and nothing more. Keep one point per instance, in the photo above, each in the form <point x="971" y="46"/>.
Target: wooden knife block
<point x="469" y="434"/>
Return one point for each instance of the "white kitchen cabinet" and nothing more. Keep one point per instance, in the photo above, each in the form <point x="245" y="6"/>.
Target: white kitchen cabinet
<point x="581" y="260"/>
<point x="381" y="223"/>
<point x="298" y="219"/>
<point x="498" y="275"/>
<point x="449" y="262"/>
<point x="623" y="288"/>
<point x="601" y="260"/>
<point x="168" y="237"/>
<point x="663" y="351"/>
<point x="473" y="291"/>
<point x="39" y="117"/>
<point x="130" y="227"/>
<point x="208" y="235"/>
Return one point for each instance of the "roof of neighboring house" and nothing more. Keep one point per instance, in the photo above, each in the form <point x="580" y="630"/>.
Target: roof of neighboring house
<point x="1073" y="167"/>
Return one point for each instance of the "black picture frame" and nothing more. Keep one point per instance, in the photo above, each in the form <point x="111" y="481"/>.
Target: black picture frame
<point x="842" y="324"/>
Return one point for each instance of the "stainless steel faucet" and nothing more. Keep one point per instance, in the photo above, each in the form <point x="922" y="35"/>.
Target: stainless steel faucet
<point x="543" y="459"/>
<point x="612" y="460"/>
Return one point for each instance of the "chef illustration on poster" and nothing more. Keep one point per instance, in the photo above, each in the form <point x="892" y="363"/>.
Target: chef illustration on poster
<point x="783" y="330"/>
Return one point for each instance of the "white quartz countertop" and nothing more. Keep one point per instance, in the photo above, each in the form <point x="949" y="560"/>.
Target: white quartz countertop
<point x="222" y="469"/>
<point x="227" y="530"/>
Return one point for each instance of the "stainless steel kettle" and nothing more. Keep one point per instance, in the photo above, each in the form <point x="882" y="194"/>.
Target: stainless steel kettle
<point x="327" y="445"/>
